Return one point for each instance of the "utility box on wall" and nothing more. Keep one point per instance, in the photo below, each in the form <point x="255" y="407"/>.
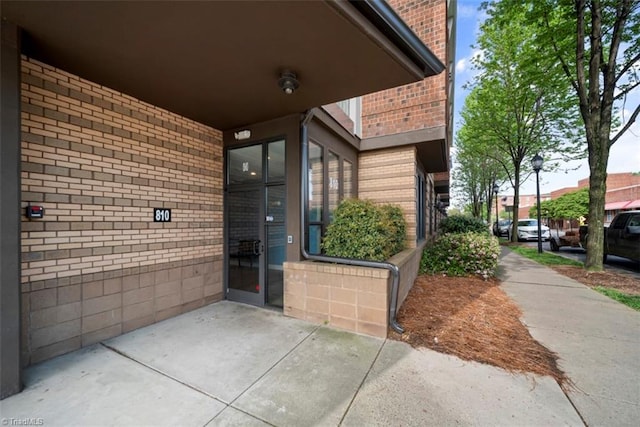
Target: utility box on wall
<point x="34" y="212"/>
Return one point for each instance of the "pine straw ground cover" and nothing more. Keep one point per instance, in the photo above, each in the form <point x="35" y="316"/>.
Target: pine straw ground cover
<point x="626" y="283"/>
<point x="473" y="319"/>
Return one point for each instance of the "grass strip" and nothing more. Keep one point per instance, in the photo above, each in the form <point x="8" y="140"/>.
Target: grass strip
<point x="545" y="258"/>
<point x="632" y="301"/>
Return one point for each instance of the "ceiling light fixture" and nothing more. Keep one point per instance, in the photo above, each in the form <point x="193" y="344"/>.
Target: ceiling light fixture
<point x="288" y="82"/>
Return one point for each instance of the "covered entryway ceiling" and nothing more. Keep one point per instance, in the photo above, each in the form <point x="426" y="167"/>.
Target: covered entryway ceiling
<point x="219" y="62"/>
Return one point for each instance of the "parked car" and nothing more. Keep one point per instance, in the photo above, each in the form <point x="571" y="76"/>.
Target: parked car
<point x="621" y="237"/>
<point x="558" y="239"/>
<point x="503" y="228"/>
<point x="528" y="230"/>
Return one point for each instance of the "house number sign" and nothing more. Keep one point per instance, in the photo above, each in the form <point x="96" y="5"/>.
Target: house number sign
<point x="161" y="215"/>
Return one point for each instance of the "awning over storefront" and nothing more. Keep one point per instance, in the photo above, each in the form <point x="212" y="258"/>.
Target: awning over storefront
<point x="627" y="204"/>
<point x="219" y="62"/>
<point x="634" y="204"/>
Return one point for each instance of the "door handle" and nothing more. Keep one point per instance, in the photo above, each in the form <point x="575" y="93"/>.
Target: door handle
<point x="258" y="248"/>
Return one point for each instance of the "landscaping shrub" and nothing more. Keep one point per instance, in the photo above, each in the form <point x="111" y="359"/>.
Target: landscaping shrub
<point x="393" y="221"/>
<point x="462" y="224"/>
<point x="461" y="254"/>
<point x="363" y="230"/>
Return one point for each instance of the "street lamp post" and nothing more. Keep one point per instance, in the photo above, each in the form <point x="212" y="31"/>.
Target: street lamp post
<point x="481" y="202"/>
<point x="536" y="163"/>
<point x="496" y="188"/>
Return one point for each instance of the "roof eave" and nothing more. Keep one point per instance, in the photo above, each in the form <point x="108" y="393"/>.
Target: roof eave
<point x="387" y="21"/>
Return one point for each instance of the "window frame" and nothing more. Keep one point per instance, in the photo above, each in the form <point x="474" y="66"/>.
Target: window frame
<point x="326" y="217"/>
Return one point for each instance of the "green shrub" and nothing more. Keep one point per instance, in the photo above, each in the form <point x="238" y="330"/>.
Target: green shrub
<point x="393" y="220"/>
<point x="462" y="224"/>
<point x="461" y="254"/>
<point x="363" y="230"/>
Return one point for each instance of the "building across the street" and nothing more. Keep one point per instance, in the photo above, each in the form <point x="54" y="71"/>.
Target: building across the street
<point x="623" y="193"/>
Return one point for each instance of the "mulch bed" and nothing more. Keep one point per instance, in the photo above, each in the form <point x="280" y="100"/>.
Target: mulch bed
<point x="622" y="282"/>
<point x="473" y="319"/>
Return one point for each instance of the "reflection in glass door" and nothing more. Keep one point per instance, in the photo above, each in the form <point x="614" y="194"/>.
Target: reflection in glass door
<point x="244" y="246"/>
<point x="276" y="243"/>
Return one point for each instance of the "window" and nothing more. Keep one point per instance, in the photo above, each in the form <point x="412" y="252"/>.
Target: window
<point x="333" y="164"/>
<point x="619" y="222"/>
<point x="245" y="165"/>
<point x="609" y="216"/>
<point x="275" y="161"/>
<point x="348" y="179"/>
<point x="316" y="197"/>
<point x="330" y="181"/>
<point x="421" y="195"/>
<point x="353" y="108"/>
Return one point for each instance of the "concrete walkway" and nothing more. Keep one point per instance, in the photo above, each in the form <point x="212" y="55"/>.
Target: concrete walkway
<point x="230" y="364"/>
<point x="597" y="339"/>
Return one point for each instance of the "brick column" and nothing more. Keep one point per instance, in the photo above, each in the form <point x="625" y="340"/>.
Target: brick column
<point x="10" y="366"/>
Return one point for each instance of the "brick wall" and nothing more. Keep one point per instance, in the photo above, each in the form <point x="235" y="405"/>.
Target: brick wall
<point x="417" y="105"/>
<point x="389" y="176"/>
<point x="99" y="161"/>
<point x="616" y="180"/>
<point x="623" y="194"/>
<point x="353" y="298"/>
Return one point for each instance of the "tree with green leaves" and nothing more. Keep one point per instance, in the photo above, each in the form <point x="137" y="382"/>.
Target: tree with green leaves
<point x="569" y="206"/>
<point x="513" y="110"/>
<point x="596" y="46"/>
<point x="474" y="176"/>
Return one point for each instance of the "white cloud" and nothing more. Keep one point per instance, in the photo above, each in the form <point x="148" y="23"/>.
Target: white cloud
<point x="465" y="64"/>
<point x="466" y="10"/>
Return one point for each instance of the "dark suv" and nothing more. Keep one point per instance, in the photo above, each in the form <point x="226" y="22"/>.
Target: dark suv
<point x="503" y="228"/>
<point x="622" y="238"/>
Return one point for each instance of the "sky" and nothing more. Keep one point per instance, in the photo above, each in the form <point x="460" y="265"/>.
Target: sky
<point x="624" y="155"/>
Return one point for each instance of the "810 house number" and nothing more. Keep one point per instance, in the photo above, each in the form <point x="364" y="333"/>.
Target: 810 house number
<point x="161" y="215"/>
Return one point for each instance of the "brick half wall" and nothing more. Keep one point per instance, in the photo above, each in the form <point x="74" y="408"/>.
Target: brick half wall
<point x="98" y="161"/>
<point x="352" y="298"/>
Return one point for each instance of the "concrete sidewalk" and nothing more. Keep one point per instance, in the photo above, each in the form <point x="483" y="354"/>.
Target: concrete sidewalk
<point x="597" y="339"/>
<point x="230" y="364"/>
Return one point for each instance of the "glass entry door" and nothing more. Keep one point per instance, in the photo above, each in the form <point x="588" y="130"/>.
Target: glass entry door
<point x="255" y="223"/>
<point x="245" y="246"/>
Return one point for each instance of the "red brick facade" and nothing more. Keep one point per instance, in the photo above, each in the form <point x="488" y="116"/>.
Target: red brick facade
<point x="621" y="187"/>
<point x="418" y="105"/>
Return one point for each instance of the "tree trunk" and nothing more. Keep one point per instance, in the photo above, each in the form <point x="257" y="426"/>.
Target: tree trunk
<point x="598" y="159"/>
<point x="516" y="204"/>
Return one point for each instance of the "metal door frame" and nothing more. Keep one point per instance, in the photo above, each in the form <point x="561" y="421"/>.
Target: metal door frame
<point x="260" y="298"/>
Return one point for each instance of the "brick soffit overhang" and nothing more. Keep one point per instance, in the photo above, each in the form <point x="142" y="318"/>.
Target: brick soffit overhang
<point x="219" y="62"/>
<point x="431" y="144"/>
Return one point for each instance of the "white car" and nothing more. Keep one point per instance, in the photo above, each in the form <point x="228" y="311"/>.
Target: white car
<point x="528" y="230"/>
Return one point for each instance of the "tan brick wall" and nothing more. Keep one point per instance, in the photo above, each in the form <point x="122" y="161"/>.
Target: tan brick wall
<point x="417" y="105"/>
<point x="351" y="298"/>
<point x="409" y="261"/>
<point x="347" y="297"/>
<point x="389" y="176"/>
<point x="99" y="161"/>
